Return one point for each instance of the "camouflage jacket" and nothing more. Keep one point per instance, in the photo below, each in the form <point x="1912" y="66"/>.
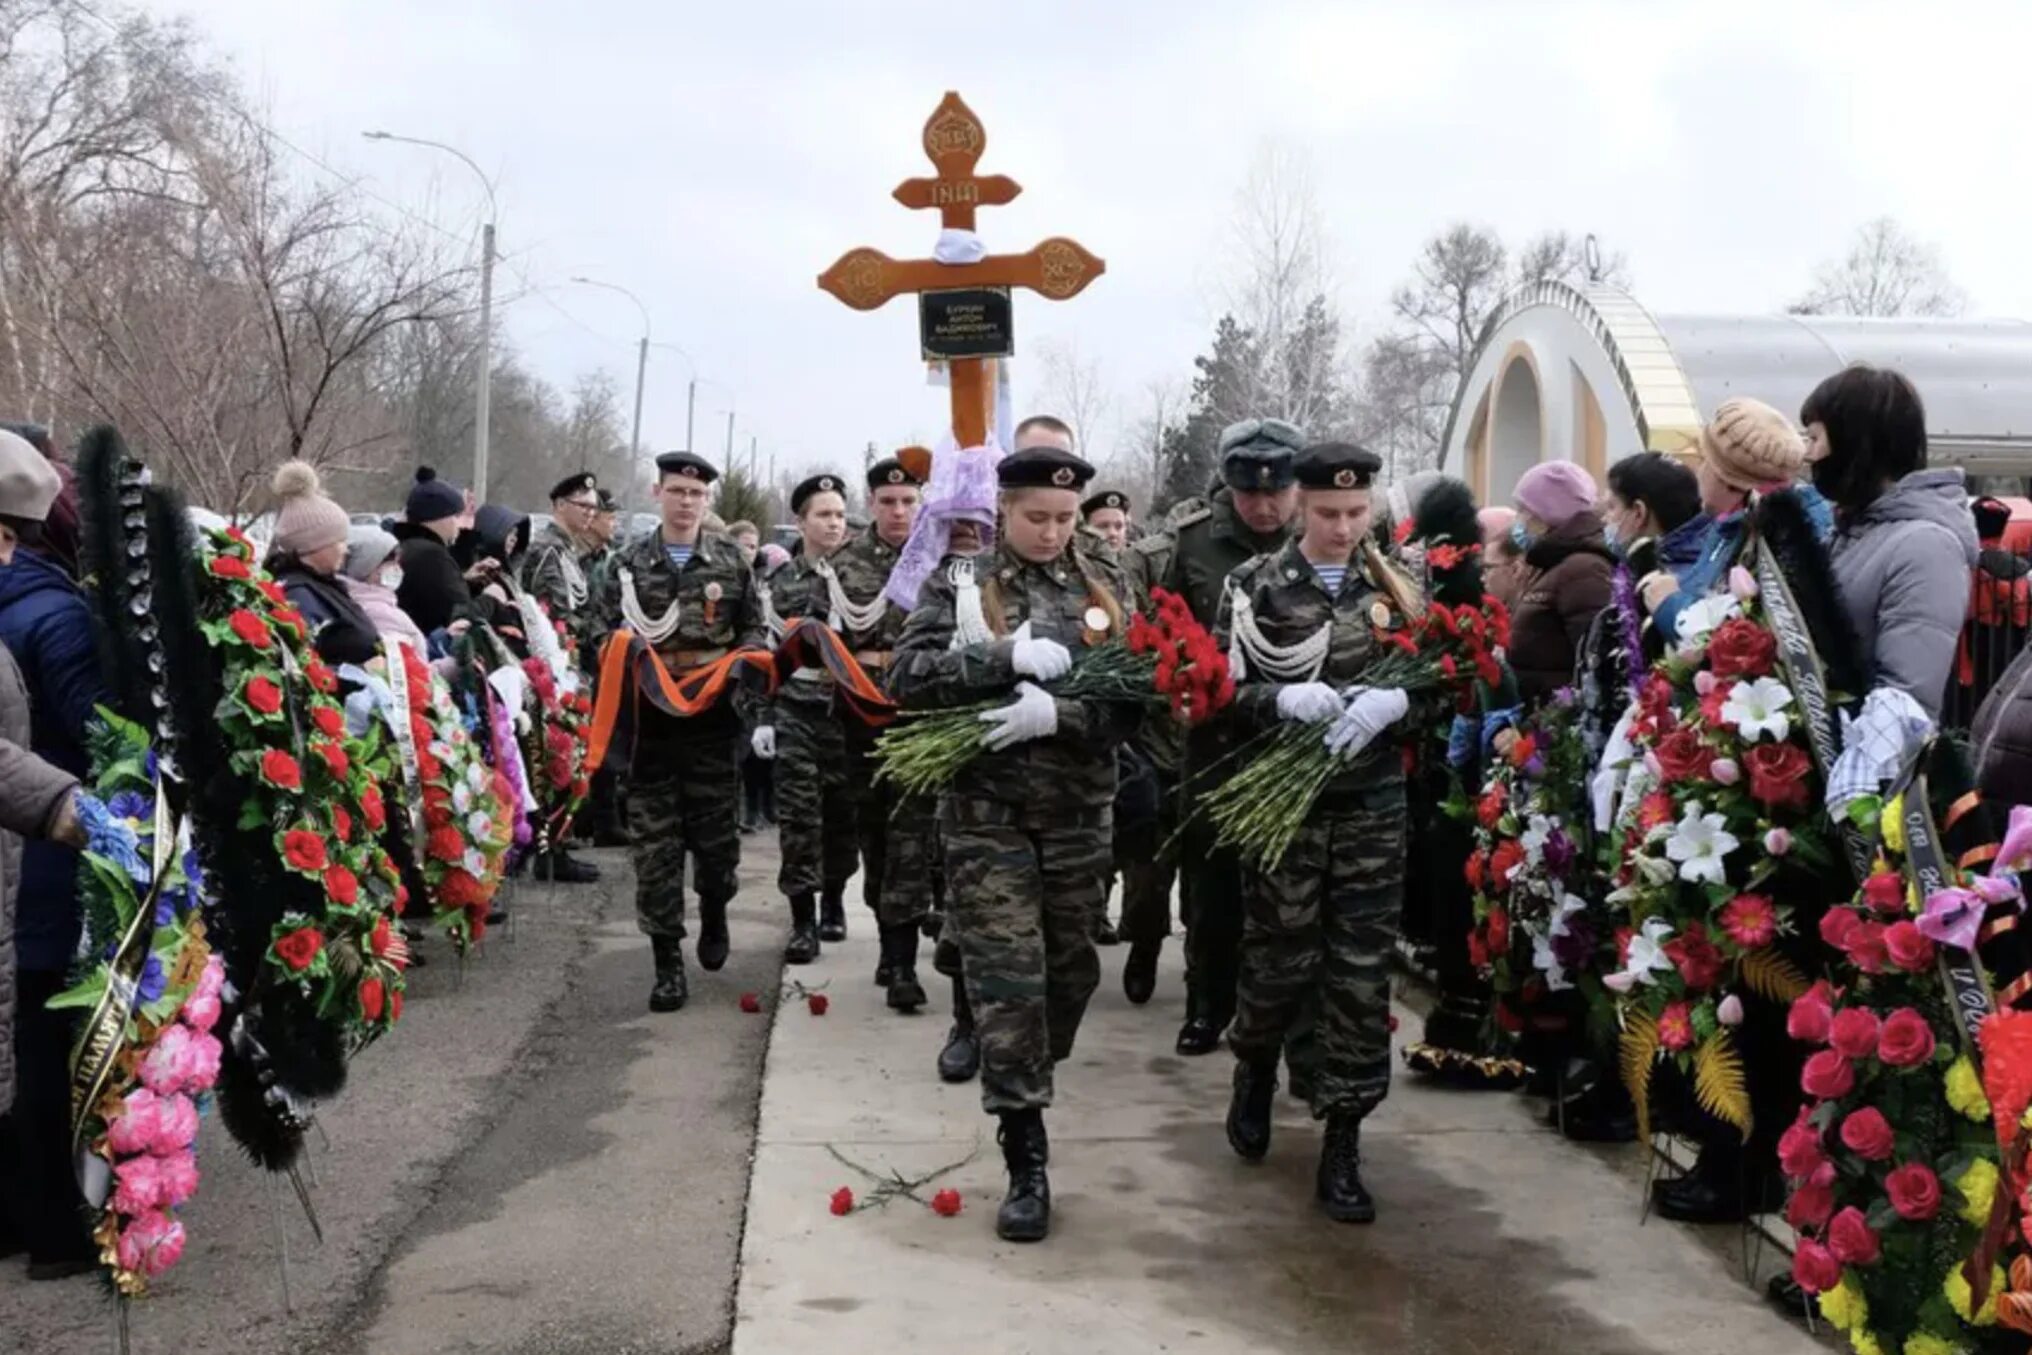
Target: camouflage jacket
<point x="719" y="607"/>
<point x="1291" y="603"/>
<point x="555" y="571"/>
<point x="799" y="590"/>
<point x="863" y="566"/>
<point x="1075" y="767"/>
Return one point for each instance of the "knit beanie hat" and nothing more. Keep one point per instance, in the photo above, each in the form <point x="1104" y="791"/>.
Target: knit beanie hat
<point x="431" y="499"/>
<point x="1751" y="445"/>
<point x="1556" y="492"/>
<point x="307" y="521"/>
<point x="28" y="485"/>
<point x="367" y="549"/>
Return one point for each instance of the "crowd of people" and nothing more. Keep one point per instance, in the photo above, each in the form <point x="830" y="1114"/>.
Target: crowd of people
<point x="739" y="685"/>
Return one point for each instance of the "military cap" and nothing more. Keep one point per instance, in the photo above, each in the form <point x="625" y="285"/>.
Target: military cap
<point x="574" y="484"/>
<point x="1256" y="453"/>
<point x="1043" y="468"/>
<point x="1107" y="498"/>
<point x="28" y="486"/>
<point x="889" y="471"/>
<point x="686" y="466"/>
<point x="608" y="503"/>
<point x="1336" y="465"/>
<point x="825" y="483"/>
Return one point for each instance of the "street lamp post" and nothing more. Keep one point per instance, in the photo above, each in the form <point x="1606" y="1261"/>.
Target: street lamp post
<point x="482" y="378"/>
<point x="641" y="362"/>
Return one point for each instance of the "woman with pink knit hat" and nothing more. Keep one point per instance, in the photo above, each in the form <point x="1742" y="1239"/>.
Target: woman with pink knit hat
<point x="304" y="555"/>
<point x="1566" y="574"/>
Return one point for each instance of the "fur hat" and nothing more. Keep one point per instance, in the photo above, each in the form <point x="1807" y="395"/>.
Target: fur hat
<point x="1556" y="492"/>
<point x="1750" y="445"/>
<point x="306" y="521"/>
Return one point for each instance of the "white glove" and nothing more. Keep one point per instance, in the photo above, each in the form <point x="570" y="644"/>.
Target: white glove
<point x="1045" y="660"/>
<point x="1032" y="715"/>
<point x="1370" y="711"/>
<point x="763" y="741"/>
<point x="1309" y="703"/>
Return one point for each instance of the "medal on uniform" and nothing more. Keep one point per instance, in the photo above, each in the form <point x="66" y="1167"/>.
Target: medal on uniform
<point x="1095" y="622"/>
<point x="1379" y="614"/>
<point x="713" y="602"/>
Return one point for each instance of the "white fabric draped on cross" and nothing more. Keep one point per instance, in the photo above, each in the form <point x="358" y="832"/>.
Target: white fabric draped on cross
<point x="657" y="631"/>
<point x="970" y="623"/>
<point x="843" y="614"/>
<point x="1249" y="648"/>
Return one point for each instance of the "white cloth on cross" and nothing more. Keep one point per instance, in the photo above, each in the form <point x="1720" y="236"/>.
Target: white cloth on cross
<point x="958" y="247"/>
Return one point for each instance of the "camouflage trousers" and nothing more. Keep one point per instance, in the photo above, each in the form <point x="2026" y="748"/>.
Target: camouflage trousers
<point x="1023" y="885"/>
<point x="1147" y="870"/>
<point x="898" y="835"/>
<point x="1320" y="930"/>
<point x="1211" y="903"/>
<point x="682" y="799"/>
<point x="815" y="800"/>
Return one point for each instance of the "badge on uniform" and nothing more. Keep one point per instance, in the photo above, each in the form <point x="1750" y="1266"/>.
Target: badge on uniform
<point x="1379" y="614"/>
<point x="713" y="602"/>
<point x="1096" y="624"/>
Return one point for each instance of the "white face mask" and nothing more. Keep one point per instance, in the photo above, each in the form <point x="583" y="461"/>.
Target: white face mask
<point x="391" y="579"/>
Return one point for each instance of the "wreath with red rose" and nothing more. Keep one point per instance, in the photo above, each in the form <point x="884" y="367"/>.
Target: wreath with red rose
<point x="560" y="733"/>
<point x="468" y="826"/>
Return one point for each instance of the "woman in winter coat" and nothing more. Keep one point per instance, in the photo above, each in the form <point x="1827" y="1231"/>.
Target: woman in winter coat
<point x="1565" y="579"/>
<point x="304" y="554"/>
<point x="372" y="577"/>
<point x="1904" y="539"/>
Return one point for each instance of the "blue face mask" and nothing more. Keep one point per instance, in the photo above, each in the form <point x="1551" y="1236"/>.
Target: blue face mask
<point x="1519" y="537"/>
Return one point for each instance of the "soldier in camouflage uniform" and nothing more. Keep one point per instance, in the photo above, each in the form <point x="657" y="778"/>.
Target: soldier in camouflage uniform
<point x="896" y="834"/>
<point x="1024" y="827"/>
<point x="604" y="809"/>
<point x="690" y="594"/>
<point x="804" y="728"/>
<point x="554" y="569"/>
<point x="1321" y="924"/>
<point x="1203" y="541"/>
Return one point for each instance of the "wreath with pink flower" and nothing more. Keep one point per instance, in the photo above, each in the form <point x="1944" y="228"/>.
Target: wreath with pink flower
<point x="560" y="737"/>
<point x="467" y="825"/>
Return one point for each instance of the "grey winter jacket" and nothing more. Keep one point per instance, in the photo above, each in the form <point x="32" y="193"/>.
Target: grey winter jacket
<point x="2002" y="736"/>
<point x="1902" y="565"/>
<point x="30" y="791"/>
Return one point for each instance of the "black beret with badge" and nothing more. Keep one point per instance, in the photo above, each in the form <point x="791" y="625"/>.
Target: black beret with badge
<point x="608" y="503"/>
<point x="1043" y="468"/>
<point x="1256" y="454"/>
<point x="1336" y="465"/>
<point x="573" y="484"/>
<point x="686" y="466"/>
<point x="817" y="484"/>
<point x="1107" y="498"/>
<point x="889" y="471"/>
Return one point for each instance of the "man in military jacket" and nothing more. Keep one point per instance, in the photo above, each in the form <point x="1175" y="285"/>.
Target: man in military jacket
<point x="689" y="594"/>
<point x="555" y="568"/>
<point x="1203" y="542"/>
<point x="1322" y="923"/>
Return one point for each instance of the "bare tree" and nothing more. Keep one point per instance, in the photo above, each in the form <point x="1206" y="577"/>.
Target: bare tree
<point x="1563" y="257"/>
<point x="1459" y="277"/>
<point x="1071" y="386"/>
<point x="1886" y="272"/>
<point x="1137" y="464"/>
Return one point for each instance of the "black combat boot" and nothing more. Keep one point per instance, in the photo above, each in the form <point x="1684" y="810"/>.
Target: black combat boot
<point x="1723" y="1187"/>
<point x="802" y="948"/>
<point x="1341" y="1192"/>
<point x="899" y="947"/>
<point x="1199" y="1035"/>
<point x="960" y="1060"/>
<point x="669" y="993"/>
<point x="1139" y="971"/>
<point x="1249" y="1109"/>
<point x="832" y="914"/>
<point x="712" y="937"/>
<point x="1104" y="931"/>
<point x="885" y="963"/>
<point x="1025" y="1215"/>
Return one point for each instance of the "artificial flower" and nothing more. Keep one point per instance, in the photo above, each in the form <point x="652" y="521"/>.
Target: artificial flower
<point x="373" y="809"/>
<point x="1750" y="921"/>
<point x="1725" y="771"/>
<point x="373" y="996"/>
<point x="261" y="696"/>
<point x="1835" y="925"/>
<point x="1964" y="1090"/>
<point x="1682" y="757"/>
<point x="1778" y="842"/>
<point x="1914" y="1191"/>
<point x="1814" y="1268"/>
<point x="817" y="1003"/>
<point x="1852" y="1240"/>
<point x="1827" y="1076"/>
<point x="299" y="948"/>
<point x="1778" y="773"/>
<point x="251" y="629"/>
<point x="150" y="1244"/>
<point x="304" y="851"/>
<point x="1699" y="961"/>
<point x="842" y="1202"/>
<point x="1867" y="1134"/>
<point x="1675" y="1027"/>
<point x="946" y="1204"/>
<point x="1811" y="1203"/>
<point x="1757" y="707"/>
<point x="1729" y="1011"/>
<point x="1844" y="1305"/>
<point x="330" y="720"/>
<point x="1908" y="947"/>
<point x="1698" y="620"/>
<point x="1866" y="947"/>
<point x="1978" y="1187"/>
<point x="279" y="769"/>
<point x="1811" y="1018"/>
<point x="1647" y="956"/>
<point x="139" y="1187"/>
<point x="1854" y="1032"/>
<point x="1907" y="1040"/>
<point x="1956" y="1287"/>
<point x="1700" y="843"/>
<point x="1741" y="648"/>
<point x="334" y="757"/>
<point x="1884" y="891"/>
<point x="1926" y="1343"/>
<point x="132" y="1129"/>
<point x="342" y="886"/>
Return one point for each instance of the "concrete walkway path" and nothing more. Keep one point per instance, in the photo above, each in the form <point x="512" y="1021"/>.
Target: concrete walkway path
<point x="1495" y="1235"/>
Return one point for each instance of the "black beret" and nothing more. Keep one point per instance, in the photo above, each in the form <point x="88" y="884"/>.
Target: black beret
<point x="1336" y="465"/>
<point x="686" y="465"/>
<point x="825" y="483"/>
<point x="890" y="471"/>
<point x="573" y="484"/>
<point x="607" y="501"/>
<point x="1107" y="498"/>
<point x="1043" y="468"/>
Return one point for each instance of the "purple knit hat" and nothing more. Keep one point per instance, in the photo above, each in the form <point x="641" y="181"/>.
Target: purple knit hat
<point x="1556" y="492"/>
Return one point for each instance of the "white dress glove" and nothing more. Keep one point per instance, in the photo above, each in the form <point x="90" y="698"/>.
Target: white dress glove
<point x="1308" y="703"/>
<point x="1370" y="711"/>
<point x="763" y="741"/>
<point x="1045" y="660"/>
<point x="1032" y="715"/>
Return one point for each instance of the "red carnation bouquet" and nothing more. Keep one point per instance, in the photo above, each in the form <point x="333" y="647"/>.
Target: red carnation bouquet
<point x="556" y="745"/>
<point x="468" y="827"/>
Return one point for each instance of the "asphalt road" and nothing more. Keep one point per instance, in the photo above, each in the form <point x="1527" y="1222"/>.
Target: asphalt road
<point x="534" y="1162"/>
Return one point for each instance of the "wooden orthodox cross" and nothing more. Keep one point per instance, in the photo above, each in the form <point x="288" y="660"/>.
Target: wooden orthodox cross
<point x="867" y="278"/>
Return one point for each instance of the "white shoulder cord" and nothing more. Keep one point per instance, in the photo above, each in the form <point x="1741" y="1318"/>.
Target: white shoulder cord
<point x="970" y="623"/>
<point x="843" y="614"/>
<point x="575" y="587"/>
<point x="772" y="620"/>
<point x="1248" y="646"/>
<point x="657" y="631"/>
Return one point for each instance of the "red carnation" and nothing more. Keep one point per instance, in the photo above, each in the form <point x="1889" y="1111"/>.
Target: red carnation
<point x="1906" y="1040"/>
<point x="1713" y="700"/>
<point x="751" y="1003"/>
<point x="272" y="590"/>
<point x="1490" y="810"/>
<point x="1914" y="1192"/>
<point x="375" y="811"/>
<point x="1683" y="757"/>
<point x="371" y="999"/>
<point x="843" y="1199"/>
<point x="946" y="1203"/>
<point x="279" y="769"/>
<point x="1741" y="648"/>
<point x="342" y="886"/>
<point x="1698" y="959"/>
<point x="1498" y="927"/>
<point x="334" y="757"/>
<point x="1852" y="1240"/>
<point x="261" y="695"/>
<point x="320" y="676"/>
<point x="381" y="937"/>
<point x="251" y="629"/>
<point x="445" y="844"/>
<point x="299" y="948"/>
<point x="229" y="567"/>
<point x="1503" y="862"/>
<point x="303" y="850"/>
<point x="401" y="899"/>
<point x="817" y="1003"/>
<point x="1778" y="773"/>
<point x="461" y="889"/>
<point x="331" y="722"/>
<point x="1654" y="810"/>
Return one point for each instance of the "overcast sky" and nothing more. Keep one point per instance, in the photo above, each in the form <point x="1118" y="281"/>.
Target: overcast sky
<point x="715" y="157"/>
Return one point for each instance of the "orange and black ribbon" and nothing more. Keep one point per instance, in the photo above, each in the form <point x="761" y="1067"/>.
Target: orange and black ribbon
<point x="810" y="643"/>
<point x="630" y="663"/>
